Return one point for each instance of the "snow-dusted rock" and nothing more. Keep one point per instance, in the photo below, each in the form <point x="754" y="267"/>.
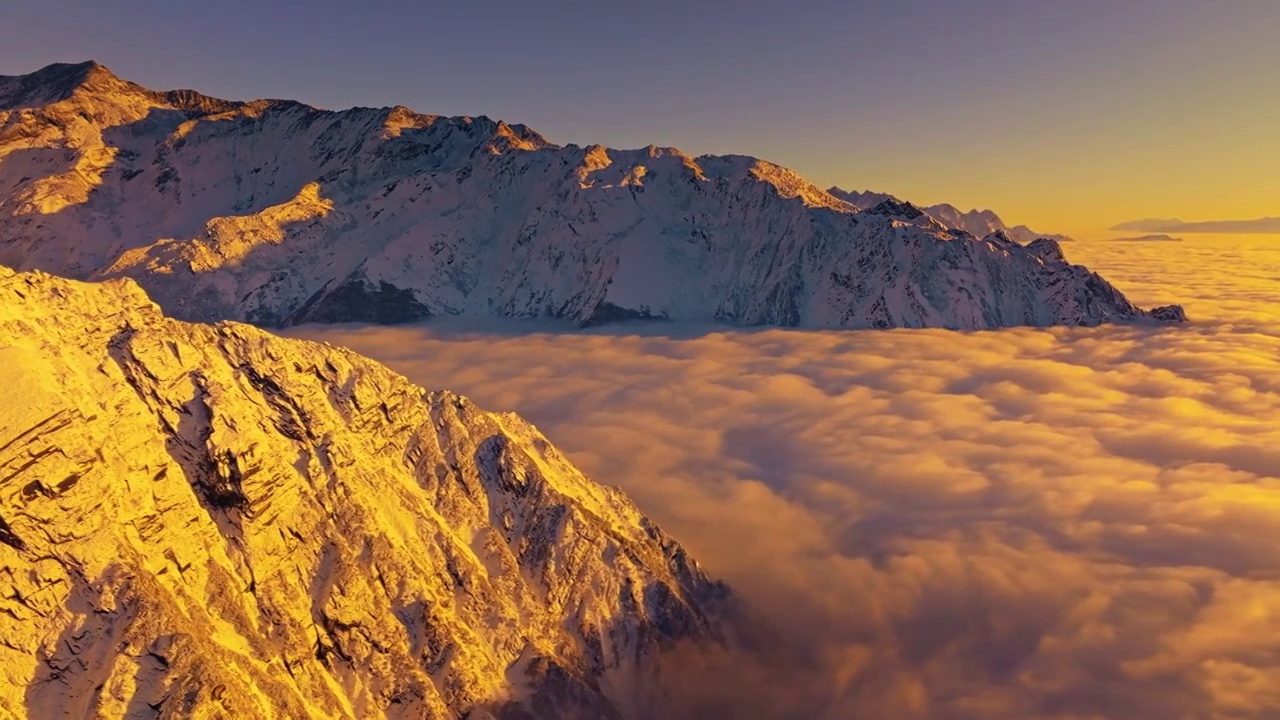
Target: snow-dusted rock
<point x="979" y="223"/>
<point x="278" y="213"/>
<point x="210" y="521"/>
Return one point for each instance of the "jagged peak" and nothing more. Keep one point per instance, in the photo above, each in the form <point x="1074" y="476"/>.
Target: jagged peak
<point x="1000" y="237"/>
<point x="788" y="183"/>
<point x="53" y="83"/>
<point x="72" y="72"/>
<point x="834" y="189"/>
<point x="985" y="214"/>
<point x="517" y="136"/>
<point x="861" y="199"/>
<point x="897" y="209"/>
<point x="192" y="101"/>
<point x="658" y="151"/>
<point x="1047" y="248"/>
<point x="61" y="82"/>
<point x="485" y="127"/>
<point x="399" y="118"/>
<point x="791" y="184"/>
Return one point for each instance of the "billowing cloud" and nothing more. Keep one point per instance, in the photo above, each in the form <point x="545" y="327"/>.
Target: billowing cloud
<point x="1264" y="225"/>
<point x="1069" y="523"/>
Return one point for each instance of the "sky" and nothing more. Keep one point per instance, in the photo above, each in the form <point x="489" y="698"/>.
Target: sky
<point x="1067" y="115"/>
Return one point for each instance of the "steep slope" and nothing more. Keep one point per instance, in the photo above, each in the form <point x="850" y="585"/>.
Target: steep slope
<point x="979" y="223"/>
<point x="212" y="521"/>
<point x="278" y="213"/>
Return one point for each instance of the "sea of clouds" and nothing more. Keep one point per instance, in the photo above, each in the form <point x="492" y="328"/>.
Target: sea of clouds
<point x="1064" y="523"/>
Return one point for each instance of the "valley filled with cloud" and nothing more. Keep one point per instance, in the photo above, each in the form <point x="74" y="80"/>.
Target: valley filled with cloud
<point x="1060" y="523"/>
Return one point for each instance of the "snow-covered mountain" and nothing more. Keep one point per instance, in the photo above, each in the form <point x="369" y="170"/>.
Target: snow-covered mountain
<point x="211" y="521"/>
<point x="861" y="199"/>
<point x="279" y="213"/>
<point x="979" y="223"/>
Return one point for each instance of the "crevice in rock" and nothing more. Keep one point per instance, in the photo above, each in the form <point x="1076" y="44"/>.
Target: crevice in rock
<point x="9" y="537"/>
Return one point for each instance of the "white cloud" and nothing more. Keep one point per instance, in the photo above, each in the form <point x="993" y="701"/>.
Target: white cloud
<point x="1072" y="523"/>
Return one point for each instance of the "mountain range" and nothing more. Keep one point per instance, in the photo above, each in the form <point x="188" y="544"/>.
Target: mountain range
<point x="277" y="213"/>
<point x="979" y="223"/>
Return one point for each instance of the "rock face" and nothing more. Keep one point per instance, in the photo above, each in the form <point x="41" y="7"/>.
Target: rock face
<point x="211" y="521"/>
<point x="277" y="213"/>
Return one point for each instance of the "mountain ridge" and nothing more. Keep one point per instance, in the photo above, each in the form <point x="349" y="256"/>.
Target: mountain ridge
<point x="277" y="213"/>
<point x="60" y="81"/>
<point x="208" y="520"/>
<point x="977" y="222"/>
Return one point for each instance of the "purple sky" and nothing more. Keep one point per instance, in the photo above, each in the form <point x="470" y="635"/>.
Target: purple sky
<point x="1034" y="107"/>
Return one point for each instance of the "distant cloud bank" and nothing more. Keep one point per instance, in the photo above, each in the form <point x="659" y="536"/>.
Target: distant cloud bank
<point x="1173" y="225"/>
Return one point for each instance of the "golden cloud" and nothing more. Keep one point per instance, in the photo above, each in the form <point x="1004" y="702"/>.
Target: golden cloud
<point x="1067" y="523"/>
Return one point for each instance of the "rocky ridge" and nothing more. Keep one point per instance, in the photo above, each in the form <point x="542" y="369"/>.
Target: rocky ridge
<point x="211" y="521"/>
<point x="979" y="223"/>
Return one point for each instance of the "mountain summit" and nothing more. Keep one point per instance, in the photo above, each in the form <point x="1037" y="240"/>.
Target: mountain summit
<point x="278" y="213"/>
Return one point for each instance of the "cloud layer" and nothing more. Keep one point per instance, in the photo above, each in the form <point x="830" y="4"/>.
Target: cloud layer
<point x="1016" y="524"/>
<point x="1172" y="225"/>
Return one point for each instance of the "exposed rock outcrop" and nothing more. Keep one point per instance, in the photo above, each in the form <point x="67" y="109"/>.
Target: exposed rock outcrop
<point x="212" y="521"/>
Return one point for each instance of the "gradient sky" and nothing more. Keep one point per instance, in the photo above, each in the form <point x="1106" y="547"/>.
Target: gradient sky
<point x="1068" y="115"/>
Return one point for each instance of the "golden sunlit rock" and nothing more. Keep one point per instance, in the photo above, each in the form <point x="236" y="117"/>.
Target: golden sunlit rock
<point x="209" y="520"/>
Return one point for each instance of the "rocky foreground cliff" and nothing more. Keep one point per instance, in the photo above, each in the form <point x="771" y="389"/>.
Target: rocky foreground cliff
<point x="211" y="521"/>
<point x="277" y="213"/>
